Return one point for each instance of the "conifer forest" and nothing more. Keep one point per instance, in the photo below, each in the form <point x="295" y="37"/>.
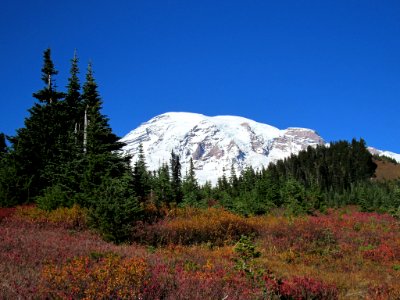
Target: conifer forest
<point x="79" y="221"/>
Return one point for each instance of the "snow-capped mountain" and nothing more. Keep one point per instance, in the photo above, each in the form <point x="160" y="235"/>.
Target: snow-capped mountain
<point x="215" y="143"/>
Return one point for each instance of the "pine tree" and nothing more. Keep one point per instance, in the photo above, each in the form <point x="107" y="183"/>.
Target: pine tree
<point x="65" y="174"/>
<point x="223" y="184"/>
<point x="190" y="187"/>
<point x="37" y="146"/>
<point x="162" y="186"/>
<point x="176" y="177"/>
<point x="71" y="118"/>
<point x="73" y="102"/>
<point x="191" y="176"/>
<point x="99" y="159"/>
<point x="233" y="181"/>
<point x="73" y="96"/>
<point x="141" y="180"/>
<point x="99" y="137"/>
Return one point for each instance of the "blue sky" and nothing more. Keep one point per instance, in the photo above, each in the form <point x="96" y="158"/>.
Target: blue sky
<point x="333" y="66"/>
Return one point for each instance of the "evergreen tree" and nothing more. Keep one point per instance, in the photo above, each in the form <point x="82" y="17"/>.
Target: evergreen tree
<point x="98" y="136"/>
<point x="233" y="181"/>
<point x="293" y="195"/>
<point x="73" y="96"/>
<point x="63" y="171"/>
<point x="73" y="103"/>
<point x="247" y="179"/>
<point x="162" y="186"/>
<point x="223" y="184"/>
<point x="206" y="191"/>
<point x="176" y="177"/>
<point x="190" y="187"/>
<point x="141" y="178"/>
<point x="48" y="94"/>
<point x="267" y="191"/>
<point x="37" y="146"/>
<point x="98" y="160"/>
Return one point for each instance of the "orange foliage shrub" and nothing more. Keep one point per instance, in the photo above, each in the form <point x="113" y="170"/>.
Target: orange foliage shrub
<point x="71" y="218"/>
<point x="193" y="226"/>
<point x="109" y="277"/>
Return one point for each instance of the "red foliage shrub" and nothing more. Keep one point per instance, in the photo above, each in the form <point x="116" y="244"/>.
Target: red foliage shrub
<point x="299" y="288"/>
<point x="6" y="212"/>
<point x="303" y="235"/>
<point x="382" y="253"/>
<point x="178" y="282"/>
<point x="26" y="247"/>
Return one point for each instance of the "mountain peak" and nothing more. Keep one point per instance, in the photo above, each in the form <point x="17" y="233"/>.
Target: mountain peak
<point x="215" y="143"/>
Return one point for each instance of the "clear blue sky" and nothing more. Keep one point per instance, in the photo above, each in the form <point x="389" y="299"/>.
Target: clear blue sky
<point x="333" y="66"/>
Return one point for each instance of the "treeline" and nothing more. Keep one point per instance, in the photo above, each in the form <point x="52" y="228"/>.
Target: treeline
<point x="66" y="154"/>
<point x="314" y="179"/>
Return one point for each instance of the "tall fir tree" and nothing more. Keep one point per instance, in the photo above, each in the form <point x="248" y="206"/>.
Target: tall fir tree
<point x="99" y="137"/>
<point x="65" y="174"/>
<point x="176" y="177"/>
<point x="73" y="102"/>
<point x="98" y="159"/>
<point x="141" y="178"/>
<point x="162" y="186"/>
<point x="190" y="187"/>
<point x="73" y="96"/>
<point x="71" y="117"/>
<point x="233" y="181"/>
<point x="37" y="146"/>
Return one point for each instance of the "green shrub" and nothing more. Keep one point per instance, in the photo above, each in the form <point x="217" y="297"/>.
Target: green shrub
<point x="54" y="197"/>
<point x="247" y="252"/>
<point x="114" y="210"/>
